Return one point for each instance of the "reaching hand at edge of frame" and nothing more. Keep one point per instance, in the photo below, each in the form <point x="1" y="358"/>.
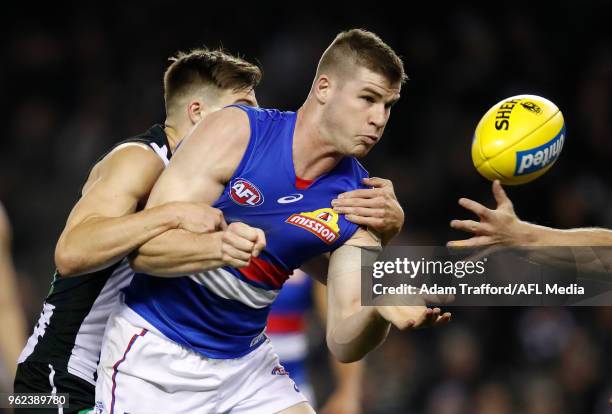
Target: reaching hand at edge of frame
<point x="376" y="208"/>
<point x="496" y="227"/>
<point x="414" y="317"/>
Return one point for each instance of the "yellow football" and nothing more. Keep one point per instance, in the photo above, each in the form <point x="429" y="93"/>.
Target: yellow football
<point x="518" y="139"/>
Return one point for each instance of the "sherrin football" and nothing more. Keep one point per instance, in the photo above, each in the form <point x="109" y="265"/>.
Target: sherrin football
<point x="518" y="139"/>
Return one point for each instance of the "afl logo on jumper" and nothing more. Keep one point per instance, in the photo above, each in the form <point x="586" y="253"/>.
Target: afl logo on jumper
<point x="245" y="193"/>
<point x="323" y="223"/>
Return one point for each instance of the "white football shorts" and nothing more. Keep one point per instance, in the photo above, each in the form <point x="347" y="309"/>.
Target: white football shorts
<point x="142" y="371"/>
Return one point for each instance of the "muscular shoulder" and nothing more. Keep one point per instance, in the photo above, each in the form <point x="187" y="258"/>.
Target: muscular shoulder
<point x="216" y="144"/>
<point x="232" y="124"/>
<point x="130" y="165"/>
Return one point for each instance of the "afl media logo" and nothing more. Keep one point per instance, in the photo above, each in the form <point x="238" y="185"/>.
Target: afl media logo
<point x="244" y="193"/>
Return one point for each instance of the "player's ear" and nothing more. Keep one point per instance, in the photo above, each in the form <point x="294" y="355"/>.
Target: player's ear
<point x="196" y="111"/>
<point x="322" y="88"/>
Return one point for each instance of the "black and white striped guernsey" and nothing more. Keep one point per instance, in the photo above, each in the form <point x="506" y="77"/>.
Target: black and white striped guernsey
<point x="70" y="328"/>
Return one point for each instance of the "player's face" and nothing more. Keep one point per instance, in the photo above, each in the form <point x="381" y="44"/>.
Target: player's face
<point x="359" y="111"/>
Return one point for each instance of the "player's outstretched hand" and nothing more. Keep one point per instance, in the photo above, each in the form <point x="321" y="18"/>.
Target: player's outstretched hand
<point x="198" y="217"/>
<point x="413" y="317"/>
<point x="240" y="242"/>
<point x="376" y="208"/>
<point x="496" y="227"/>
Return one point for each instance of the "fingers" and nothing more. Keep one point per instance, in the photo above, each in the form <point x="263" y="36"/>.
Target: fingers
<point x="361" y="211"/>
<point x="240" y="243"/>
<point x="231" y="252"/>
<point x="236" y="251"/>
<point x="234" y="257"/>
<point x="444" y="319"/>
<point x="500" y="195"/>
<point x="478" y="241"/>
<point x="230" y="260"/>
<point x="425" y="318"/>
<point x="244" y="231"/>
<point x="469" y="226"/>
<point x="245" y="238"/>
<point x="371" y="222"/>
<point x="223" y="225"/>
<point x="220" y="223"/>
<point x="383" y="215"/>
<point x="429" y="315"/>
<point x="475" y="207"/>
<point x="373" y="202"/>
<point x="414" y="316"/>
<point x="433" y="317"/>
<point x="380" y="188"/>
<point x="377" y="182"/>
<point x="208" y="219"/>
<point x="363" y="193"/>
<point x="260" y="243"/>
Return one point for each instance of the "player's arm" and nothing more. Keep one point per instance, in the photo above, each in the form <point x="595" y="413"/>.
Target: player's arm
<point x="198" y="172"/>
<point x="354" y="330"/>
<point x="502" y="227"/>
<point x="12" y="320"/>
<point x="346" y="398"/>
<point x="376" y="208"/>
<point x="102" y="228"/>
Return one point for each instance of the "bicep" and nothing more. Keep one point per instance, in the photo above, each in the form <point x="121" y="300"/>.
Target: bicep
<point x="121" y="181"/>
<point x="344" y="273"/>
<point x="343" y="281"/>
<point x="205" y="160"/>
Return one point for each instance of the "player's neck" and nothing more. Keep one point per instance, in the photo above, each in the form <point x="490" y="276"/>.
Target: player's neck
<point x="174" y="134"/>
<point x="312" y="155"/>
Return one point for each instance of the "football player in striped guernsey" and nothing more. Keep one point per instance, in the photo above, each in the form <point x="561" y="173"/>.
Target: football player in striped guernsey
<point x="106" y="224"/>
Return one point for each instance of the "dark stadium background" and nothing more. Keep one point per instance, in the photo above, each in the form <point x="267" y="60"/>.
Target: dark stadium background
<point x="76" y="79"/>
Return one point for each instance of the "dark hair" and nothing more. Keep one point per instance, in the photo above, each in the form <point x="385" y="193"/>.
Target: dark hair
<point x="201" y="67"/>
<point x="358" y="46"/>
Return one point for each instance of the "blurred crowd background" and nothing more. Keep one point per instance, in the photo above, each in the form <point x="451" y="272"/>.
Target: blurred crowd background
<point x="76" y="79"/>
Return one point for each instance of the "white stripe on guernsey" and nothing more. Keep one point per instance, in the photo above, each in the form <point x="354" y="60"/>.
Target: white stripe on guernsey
<point x="289" y="347"/>
<point x="39" y="331"/>
<point x="162" y="152"/>
<point x="223" y="283"/>
<point x="60" y="409"/>
<point x="85" y="353"/>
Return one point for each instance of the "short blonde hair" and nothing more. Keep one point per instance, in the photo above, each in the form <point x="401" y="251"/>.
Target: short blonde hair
<point x="364" y="48"/>
<point x="204" y="67"/>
